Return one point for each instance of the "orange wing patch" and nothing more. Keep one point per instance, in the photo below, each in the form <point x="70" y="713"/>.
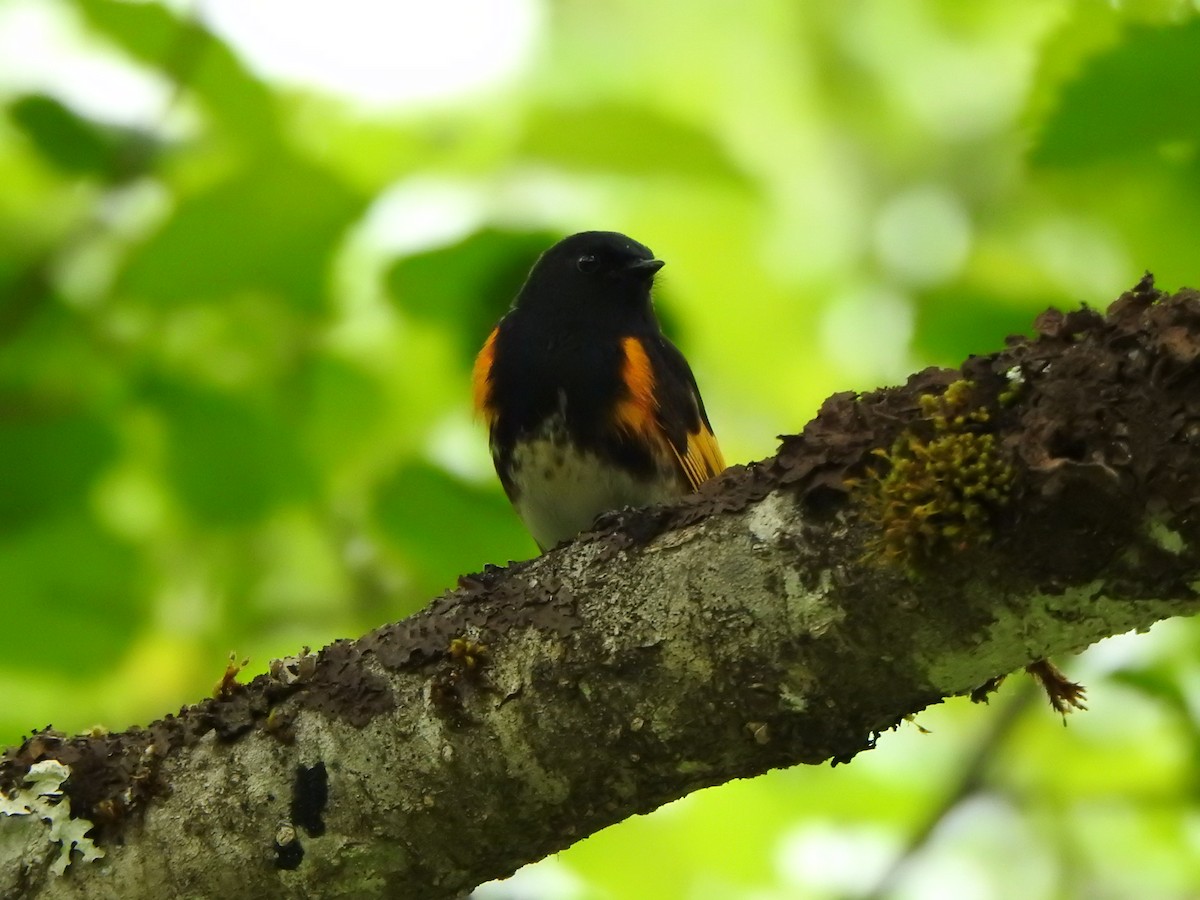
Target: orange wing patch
<point x="481" y="378"/>
<point x="637" y="413"/>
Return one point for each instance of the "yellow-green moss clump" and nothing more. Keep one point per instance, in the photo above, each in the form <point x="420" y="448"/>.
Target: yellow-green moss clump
<point x="943" y="482"/>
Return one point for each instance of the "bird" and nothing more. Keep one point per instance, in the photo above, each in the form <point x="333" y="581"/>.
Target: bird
<point x="589" y="407"/>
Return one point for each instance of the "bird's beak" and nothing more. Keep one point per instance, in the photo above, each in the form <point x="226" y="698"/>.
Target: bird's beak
<point x="645" y="267"/>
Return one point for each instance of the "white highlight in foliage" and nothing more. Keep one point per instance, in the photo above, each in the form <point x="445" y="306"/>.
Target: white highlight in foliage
<point x="923" y="235"/>
<point x="380" y="52"/>
<point x="421" y="213"/>
<point x="1085" y="257"/>
<point x="47" y="47"/>
<point x="44" y="799"/>
<point x="866" y="331"/>
<point x="833" y="858"/>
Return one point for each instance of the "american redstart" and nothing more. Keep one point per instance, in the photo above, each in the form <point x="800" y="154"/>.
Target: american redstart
<point x="589" y="407"/>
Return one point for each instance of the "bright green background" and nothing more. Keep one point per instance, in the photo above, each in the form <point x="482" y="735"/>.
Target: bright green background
<point x="233" y="420"/>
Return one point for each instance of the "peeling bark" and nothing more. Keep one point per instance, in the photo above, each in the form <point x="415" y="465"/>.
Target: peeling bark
<point x="763" y="622"/>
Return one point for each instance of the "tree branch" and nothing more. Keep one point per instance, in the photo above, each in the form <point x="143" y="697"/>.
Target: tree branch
<point x="910" y="545"/>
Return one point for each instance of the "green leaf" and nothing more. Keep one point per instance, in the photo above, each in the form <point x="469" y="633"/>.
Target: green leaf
<point x="146" y="31"/>
<point x="343" y="408"/>
<point x="1130" y="100"/>
<point x="960" y="319"/>
<point x="466" y="287"/>
<point x="445" y="526"/>
<point x="230" y="461"/>
<point x="627" y="140"/>
<point x="271" y="227"/>
<point x="63" y="137"/>
<point x="189" y="54"/>
<point x="48" y="462"/>
<point x="1161" y="683"/>
<point x="72" y="596"/>
<point x="25" y="290"/>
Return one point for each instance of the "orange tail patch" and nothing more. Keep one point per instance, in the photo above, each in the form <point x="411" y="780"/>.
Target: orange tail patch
<point x="703" y="459"/>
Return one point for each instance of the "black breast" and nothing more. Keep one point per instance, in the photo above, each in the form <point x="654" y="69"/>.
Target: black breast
<point x="540" y="373"/>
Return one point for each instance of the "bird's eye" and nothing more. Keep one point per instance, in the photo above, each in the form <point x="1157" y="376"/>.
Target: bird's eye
<point x="586" y="263"/>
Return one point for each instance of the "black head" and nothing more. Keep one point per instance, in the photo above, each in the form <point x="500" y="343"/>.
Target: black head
<point x="591" y="272"/>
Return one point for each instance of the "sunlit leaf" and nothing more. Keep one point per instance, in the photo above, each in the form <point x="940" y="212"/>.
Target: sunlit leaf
<point x="272" y="227"/>
<point x="190" y="55"/>
<point x="234" y="96"/>
<point x="629" y="140"/>
<point x="146" y="31"/>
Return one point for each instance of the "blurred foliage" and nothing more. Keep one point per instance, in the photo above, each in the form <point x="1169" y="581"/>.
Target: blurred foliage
<point x="236" y="334"/>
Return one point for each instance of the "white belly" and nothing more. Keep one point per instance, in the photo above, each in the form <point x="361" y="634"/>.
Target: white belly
<point x="560" y="492"/>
